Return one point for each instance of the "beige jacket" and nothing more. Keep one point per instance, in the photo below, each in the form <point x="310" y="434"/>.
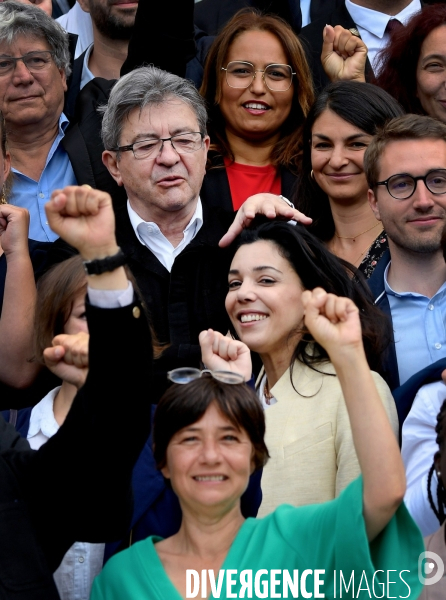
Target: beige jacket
<point x="309" y="438"/>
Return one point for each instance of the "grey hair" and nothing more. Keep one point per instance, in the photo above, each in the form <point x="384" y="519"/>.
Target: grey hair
<point x="27" y="20"/>
<point x="147" y="86"/>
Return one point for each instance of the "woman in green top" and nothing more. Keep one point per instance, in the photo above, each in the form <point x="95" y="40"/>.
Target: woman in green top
<point x="208" y="438"/>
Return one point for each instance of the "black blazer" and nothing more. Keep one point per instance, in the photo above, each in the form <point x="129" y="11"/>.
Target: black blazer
<point x="311" y="38"/>
<point x="77" y="486"/>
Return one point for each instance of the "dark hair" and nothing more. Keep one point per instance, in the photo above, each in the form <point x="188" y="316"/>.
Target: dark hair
<point x="317" y="267"/>
<point x="441" y="492"/>
<point x="407" y="127"/>
<point x="286" y="151"/>
<point x="399" y="59"/>
<point x="183" y="405"/>
<point x="363" y="105"/>
<point x="56" y="292"/>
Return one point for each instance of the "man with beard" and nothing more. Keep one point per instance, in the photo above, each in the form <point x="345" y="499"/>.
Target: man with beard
<point x="405" y="167"/>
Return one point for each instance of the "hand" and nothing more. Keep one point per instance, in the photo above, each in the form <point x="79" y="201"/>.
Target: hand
<point x="84" y="218"/>
<point x="222" y="353"/>
<point x="45" y="5"/>
<point x="343" y="55"/>
<point x="334" y="323"/>
<point x="68" y="357"/>
<point x="14" y="226"/>
<point x="270" y="205"/>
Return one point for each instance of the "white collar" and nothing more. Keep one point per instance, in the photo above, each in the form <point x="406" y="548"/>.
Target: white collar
<point x="196" y="220"/>
<point x="375" y="21"/>
<point x="42" y="416"/>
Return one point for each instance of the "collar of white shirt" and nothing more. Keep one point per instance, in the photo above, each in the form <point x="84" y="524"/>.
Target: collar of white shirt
<point x="150" y="235"/>
<point x="42" y="416"/>
<point x="376" y="22"/>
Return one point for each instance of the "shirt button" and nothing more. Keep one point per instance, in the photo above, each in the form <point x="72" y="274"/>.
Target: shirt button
<point x="150" y="229"/>
<point x="81" y="559"/>
<point x="431" y="307"/>
<point x="41" y="195"/>
<point x="437" y="346"/>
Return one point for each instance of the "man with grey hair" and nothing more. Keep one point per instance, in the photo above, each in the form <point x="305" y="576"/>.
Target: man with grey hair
<point x="154" y="132"/>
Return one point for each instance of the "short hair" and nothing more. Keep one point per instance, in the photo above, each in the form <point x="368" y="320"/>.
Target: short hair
<point x="56" y="292"/>
<point x="147" y="86"/>
<point x="397" y="73"/>
<point x="18" y="19"/>
<point x="286" y="152"/>
<point x="316" y="266"/>
<point x="183" y="405"/>
<point x="408" y="127"/>
<point x="364" y="106"/>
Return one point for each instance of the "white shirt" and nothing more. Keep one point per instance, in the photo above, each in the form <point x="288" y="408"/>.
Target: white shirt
<point x="150" y="235"/>
<point x="79" y="22"/>
<point x="418" y="449"/>
<point x="87" y="75"/>
<point x="372" y="25"/>
<point x="305" y="11"/>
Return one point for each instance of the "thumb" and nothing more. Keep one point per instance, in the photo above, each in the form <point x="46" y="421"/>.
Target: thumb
<point x="328" y="38"/>
<point x="206" y="339"/>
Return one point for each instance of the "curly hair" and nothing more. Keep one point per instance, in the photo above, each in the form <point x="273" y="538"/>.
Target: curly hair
<point x="398" y="61"/>
<point x="441" y="491"/>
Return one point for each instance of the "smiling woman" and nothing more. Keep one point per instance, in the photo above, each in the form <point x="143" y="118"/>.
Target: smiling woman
<point x="209" y="438"/>
<point x="258" y="88"/>
<point x="308" y="433"/>
<point x="333" y="188"/>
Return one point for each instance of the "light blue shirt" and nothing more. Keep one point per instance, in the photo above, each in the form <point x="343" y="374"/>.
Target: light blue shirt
<point x="33" y="195"/>
<point x="419" y="328"/>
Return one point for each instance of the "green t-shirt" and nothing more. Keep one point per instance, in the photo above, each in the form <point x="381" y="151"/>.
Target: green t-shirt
<point x="329" y="537"/>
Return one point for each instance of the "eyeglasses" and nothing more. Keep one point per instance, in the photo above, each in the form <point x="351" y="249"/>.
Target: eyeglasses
<point x="402" y="186"/>
<point x="185" y="375"/>
<point x="183" y="143"/>
<point x="240" y="74"/>
<point x="34" y="62"/>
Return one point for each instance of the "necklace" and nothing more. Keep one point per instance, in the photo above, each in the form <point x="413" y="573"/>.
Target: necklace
<point x="346" y="237"/>
<point x="267" y="393"/>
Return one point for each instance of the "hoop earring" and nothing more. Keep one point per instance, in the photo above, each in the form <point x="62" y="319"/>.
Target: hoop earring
<point x="312" y="174"/>
<point x="3" y="197"/>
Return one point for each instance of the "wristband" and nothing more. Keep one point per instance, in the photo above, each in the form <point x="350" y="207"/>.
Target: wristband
<point x="104" y="265"/>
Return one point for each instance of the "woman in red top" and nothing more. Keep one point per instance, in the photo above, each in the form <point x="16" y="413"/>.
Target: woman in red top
<point x="259" y="89"/>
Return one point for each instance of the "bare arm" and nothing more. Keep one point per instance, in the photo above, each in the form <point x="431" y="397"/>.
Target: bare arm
<point x="16" y="323"/>
<point x="334" y="323"/>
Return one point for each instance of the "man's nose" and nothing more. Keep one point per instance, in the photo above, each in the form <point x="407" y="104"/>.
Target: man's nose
<point x="422" y="197"/>
<point x="21" y="73"/>
<point x="167" y="154"/>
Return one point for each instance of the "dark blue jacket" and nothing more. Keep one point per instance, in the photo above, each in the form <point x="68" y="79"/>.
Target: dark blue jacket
<point x="376" y="284"/>
<point x="156" y="510"/>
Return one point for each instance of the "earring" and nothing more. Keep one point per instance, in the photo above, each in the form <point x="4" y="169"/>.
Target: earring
<point x="3" y="196"/>
<point x="312" y="174"/>
<point x="438" y="474"/>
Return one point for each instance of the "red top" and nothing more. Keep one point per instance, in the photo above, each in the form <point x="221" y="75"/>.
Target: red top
<point x="246" y="180"/>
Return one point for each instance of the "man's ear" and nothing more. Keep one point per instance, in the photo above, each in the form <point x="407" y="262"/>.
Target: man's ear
<point x="85" y="5"/>
<point x="374" y="204"/>
<point x="110" y="161"/>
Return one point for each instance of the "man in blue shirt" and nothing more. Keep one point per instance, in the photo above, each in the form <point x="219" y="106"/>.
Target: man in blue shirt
<point x="405" y="167"/>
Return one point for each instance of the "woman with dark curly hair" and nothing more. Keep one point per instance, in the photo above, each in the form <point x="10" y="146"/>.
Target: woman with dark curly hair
<point x="258" y="87"/>
<point x="413" y="66"/>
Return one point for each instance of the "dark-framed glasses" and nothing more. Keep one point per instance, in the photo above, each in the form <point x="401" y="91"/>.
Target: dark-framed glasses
<point x="34" y="62"/>
<point x="240" y="74"/>
<point x="185" y="375"/>
<point x="183" y="143"/>
<point x="402" y="185"/>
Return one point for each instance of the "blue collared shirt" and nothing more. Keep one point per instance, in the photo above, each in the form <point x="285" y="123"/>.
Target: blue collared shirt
<point x="419" y="328"/>
<point x="33" y="195"/>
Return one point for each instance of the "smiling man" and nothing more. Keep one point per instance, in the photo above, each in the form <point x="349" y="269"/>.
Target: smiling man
<point x="405" y="167"/>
